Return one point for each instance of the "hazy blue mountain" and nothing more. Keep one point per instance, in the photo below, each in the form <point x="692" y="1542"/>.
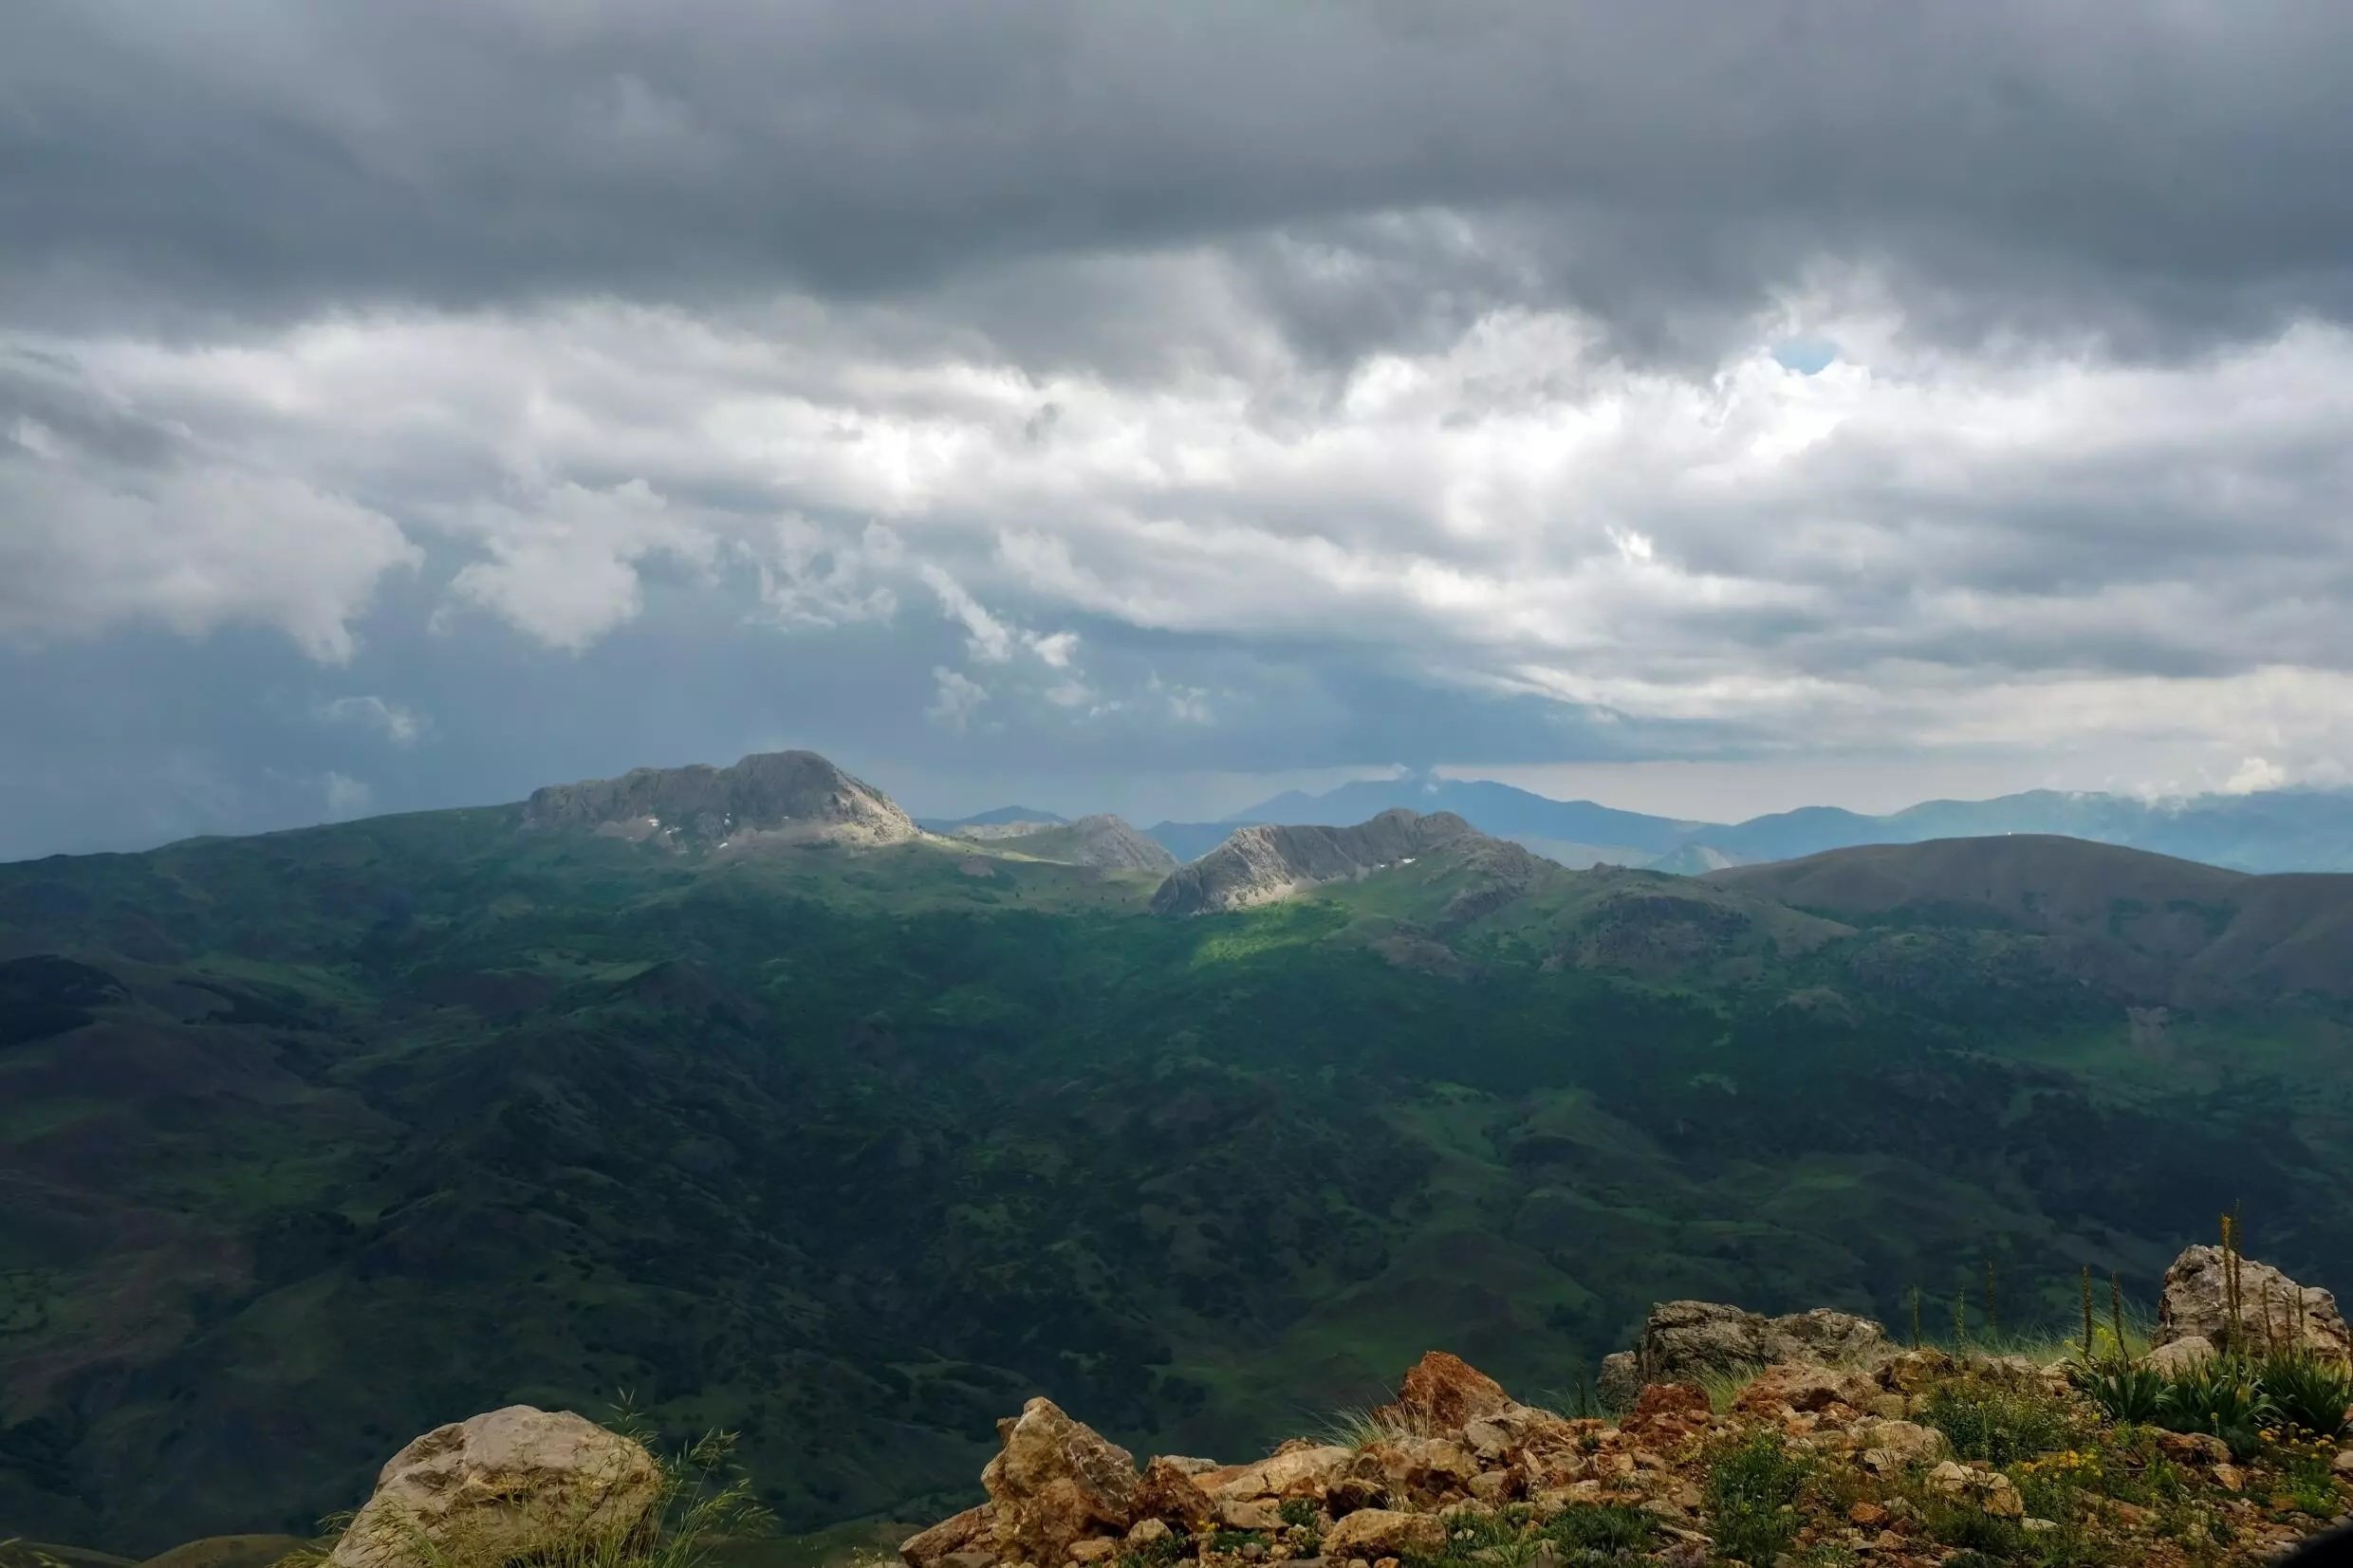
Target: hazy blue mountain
<point x="2277" y="830"/>
<point x="1498" y="809"/>
<point x="997" y="818"/>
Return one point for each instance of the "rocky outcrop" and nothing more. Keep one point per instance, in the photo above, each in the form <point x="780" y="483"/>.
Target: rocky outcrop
<point x="1454" y="1466"/>
<point x="1685" y="1341"/>
<point x="507" y="1486"/>
<point x="1265" y="865"/>
<point x="2270" y="1309"/>
<point x="1101" y="840"/>
<point x="777" y="796"/>
<point x="1056" y="1482"/>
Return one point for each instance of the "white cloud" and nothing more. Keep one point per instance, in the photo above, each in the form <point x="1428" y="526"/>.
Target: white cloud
<point x="345" y="797"/>
<point x="396" y="722"/>
<point x="196" y="545"/>
<point x="1916" y="544"/>
<point x="987" y="638"/>
<point x="2255" y="774"/>
<point x="958" y="697"/>
<point x="563" y="565"/>
<point x="812" y="578"/>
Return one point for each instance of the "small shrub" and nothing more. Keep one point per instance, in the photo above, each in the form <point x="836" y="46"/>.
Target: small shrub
<point x="1231" y="1541"/>
<point x="2219" y="1396"/>
<point x="2307" y="1465"/>
<point x="1304" y="1519"/>
<point x="2124" y="1393"/>
<point x="1751" y="1495"/>
<point x="1969" y="1527"/>
<point x="2306" y="1391"/>
<point x="1154" y="1554"/>
<point x="2053" y="1487"/>
<point x="1607" y="1528"/>
<point x="1995" y="1423"/>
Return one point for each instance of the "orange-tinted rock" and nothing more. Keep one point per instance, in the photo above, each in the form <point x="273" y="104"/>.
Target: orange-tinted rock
<point x="1803" y="1387"/>
<point x="1687" y="1400"/>
<point x="1442" y="1392"/>
<point x="1170" y="1491"/>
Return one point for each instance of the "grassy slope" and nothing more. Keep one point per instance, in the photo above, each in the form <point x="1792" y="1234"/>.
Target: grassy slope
<point x="396" y="1121"/>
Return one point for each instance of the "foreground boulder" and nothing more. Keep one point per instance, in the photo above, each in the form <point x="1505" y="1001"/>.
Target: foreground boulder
<point x="1056" y="1483"/>
<point x="1687" y="1342"/>
<point x="2273" y="1310"/>
<point x="1377" y="1532"/>
<point x="514" y="1484"/>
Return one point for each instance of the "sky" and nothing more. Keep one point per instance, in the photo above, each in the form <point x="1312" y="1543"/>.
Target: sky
<point x="1708" y="407"/>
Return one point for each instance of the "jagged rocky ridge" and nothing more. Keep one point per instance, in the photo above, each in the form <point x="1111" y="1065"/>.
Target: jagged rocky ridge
<point x="789" y="797"/>
<point x="1265" y="865"/>
<point x="1102" y="841"/>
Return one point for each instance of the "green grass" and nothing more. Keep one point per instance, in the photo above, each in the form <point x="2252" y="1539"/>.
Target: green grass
<point x="1998" y="1423"/>
<point x="1751" y="1496"/>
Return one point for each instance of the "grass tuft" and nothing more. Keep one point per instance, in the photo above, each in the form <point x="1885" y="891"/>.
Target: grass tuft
<point x="1359" y="1427"/>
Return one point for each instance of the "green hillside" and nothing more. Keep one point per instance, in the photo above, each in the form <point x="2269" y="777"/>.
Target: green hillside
<point x="311" y="1141"/>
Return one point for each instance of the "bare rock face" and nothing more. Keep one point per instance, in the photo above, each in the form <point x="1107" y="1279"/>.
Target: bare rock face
<point x="1686" y="1341"/>
<point x="2272" y="1308"/>
<point x="1057" y="1481"/>
<point x="780" y="796"/>
<point x="1265" y="865"/>
<point x="514" y="1484"/>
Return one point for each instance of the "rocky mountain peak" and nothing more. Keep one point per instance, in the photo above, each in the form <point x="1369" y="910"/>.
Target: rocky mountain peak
<point x="1264" y="863"/>
<point x="774" y="796"/>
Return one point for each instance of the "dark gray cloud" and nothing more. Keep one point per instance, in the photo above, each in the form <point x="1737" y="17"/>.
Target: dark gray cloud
<point x="1111" y="402"/>
<point x="2151" y="176"/>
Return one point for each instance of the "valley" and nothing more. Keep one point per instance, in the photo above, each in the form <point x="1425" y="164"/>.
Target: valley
<point x="852" y="1140"/>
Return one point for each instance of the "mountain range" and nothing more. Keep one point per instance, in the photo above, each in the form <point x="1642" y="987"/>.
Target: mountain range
<point x="2268" y="831"/>
<point x="736" y="1089"/>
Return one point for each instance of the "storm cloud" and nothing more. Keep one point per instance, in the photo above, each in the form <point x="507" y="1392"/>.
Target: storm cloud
<point x="1079" y="399"/>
